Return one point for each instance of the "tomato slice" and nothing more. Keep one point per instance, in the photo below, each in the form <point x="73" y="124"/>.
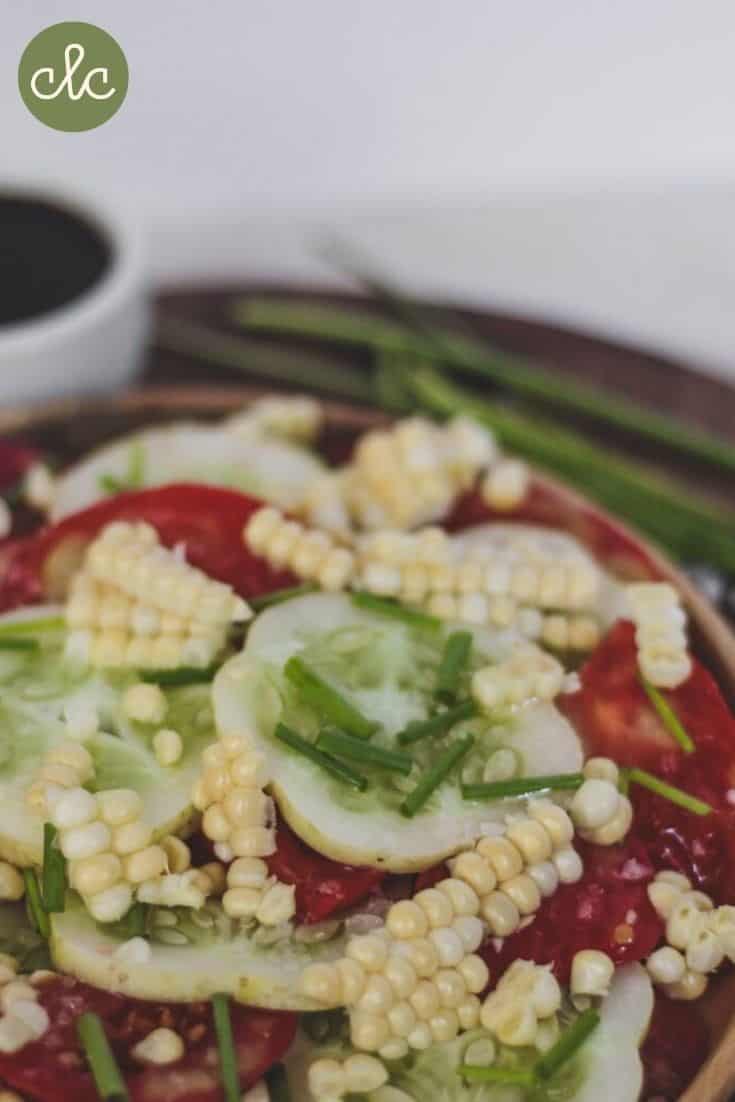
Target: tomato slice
<point x="323" y="887"/>
<point x="674" y="1050"/>
<point x="54" y="1069"/>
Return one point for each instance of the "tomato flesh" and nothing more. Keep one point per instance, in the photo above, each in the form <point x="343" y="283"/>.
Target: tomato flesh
<point x="54" y="1069"/>
<point x="675" y="1048"/>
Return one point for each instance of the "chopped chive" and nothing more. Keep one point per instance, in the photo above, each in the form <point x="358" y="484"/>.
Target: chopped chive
<point x="337" y="769"/>
<point x="184" y="675"/>
<point x="668" y="791"/>
<point x="384" y="607"/>
<point x="54" y="872"/>
<point x="133" y="477"/>
<point x="453" y="661"/>
<point x="226" y="1045"/>
<point x="434" y="776"/>
<point x="34" y="904"/>
<point x="100" y="1057"/>
<point x="518" y="1077"/>
<point x="36" y="959"/>
<point x="347" y="746"/>
<point x="328" y="701"/>
<point x="668" y="716"/>
<point x="134" y="923"/>
<point x="568" y="1044"/>
<point x="29" y="626"/>
<point x="111" y="484"/>
<point x="437" y="724"/>
<point x="276" y="1081"/>
<point x="19" y="642"/>
<point x="278" y="595"/>
<point x="521" y="786"/>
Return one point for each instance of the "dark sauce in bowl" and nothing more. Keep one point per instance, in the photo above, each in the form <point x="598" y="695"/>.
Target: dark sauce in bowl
<point x="50" y="255"/>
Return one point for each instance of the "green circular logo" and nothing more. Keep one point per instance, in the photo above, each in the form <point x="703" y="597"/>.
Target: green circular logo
<point x="73" y="76"/>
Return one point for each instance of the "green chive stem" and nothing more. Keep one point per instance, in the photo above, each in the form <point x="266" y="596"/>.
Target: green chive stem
<point x="267" y="600"/>
<point x="30" y="627"/>
<point x="340" y="745"/>
<point x="54" y="872"/>
<point x="326" y="700"/>
<point x="454" y="659"/>
<point x="184" y="675"/>
<point x="34" y="902"/>
<point x="437" y="724"/>
<point x="668" y="791"/>
<point x="434" y="776"/>
<point x="326" y="762"/>
<point x="101" y="1060"/>
<point x="568" y="1044"/>
<point x="668" y="716"/>
<point x="19" y="643"/>
<point x="517" y="1077"/>
<point x="521" y="786"/>
<point x="382" y="606"/>
<point x="226" y="1045"/>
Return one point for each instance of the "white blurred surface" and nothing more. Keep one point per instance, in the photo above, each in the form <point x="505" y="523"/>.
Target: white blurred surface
<point x="573" y="159"/>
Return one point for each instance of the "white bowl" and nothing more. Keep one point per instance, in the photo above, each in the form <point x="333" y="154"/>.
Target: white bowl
<point x="94" y="342"/>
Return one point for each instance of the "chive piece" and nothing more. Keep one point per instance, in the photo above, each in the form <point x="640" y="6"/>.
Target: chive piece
<point x="337" y="769"/>
<point x="478" y="1073"/>
<point x="437" y="724"/>
<point x="133" y="477"/>
<point x="521" y="786"/>
<point x="382" y="606"/>
<point x="330" y="703"/>
<point x="278" y="595"/>
<point x="226" y="1045"/>
<point x="668" y="791"/>
<point x="134" y="923"/>
<point x="668" y="716"/>
<point x="54" y="872"/>
<point x="434" y="776"/>
<point x="19" y="642"/>
<point x="100" y="1057"/>
<point x="34" y="904"/>
<point x="184" y="675"/>
<point x="111" y="484"/>
<point x="453" y="661"/>
<point x="37" y="959"/>
<point x="276" y="1081"/>
<point x="568" y="1044"/>
<point x="29" y="627"/>
<point x="339" y="745"/>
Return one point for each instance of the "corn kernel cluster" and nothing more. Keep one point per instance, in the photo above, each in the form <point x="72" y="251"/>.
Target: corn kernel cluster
<point x="252" y="893"/>
<point x="660" y="633"/>
<point x="237" y="816"/>
<point x="312" y="554"/>
<point x="333" y="1079"/>
<point x="527" y="674"/>
<point x="602" y="814"/>
<point x="135" y="603"/>
<point x="292" y="417"/>
<point x="699" y="936"/>
<point x="22" y="1018"/>
<point x="68" y="765"/>
<point x="323" y="504"/>
<point x="505" y="486"/>
<point x="527" y="996"/>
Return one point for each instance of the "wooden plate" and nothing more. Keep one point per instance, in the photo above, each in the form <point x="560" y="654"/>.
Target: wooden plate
<point x="70" y="428"/>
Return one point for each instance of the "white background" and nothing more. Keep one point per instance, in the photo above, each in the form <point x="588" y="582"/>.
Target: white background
<point x="574" y="158"/>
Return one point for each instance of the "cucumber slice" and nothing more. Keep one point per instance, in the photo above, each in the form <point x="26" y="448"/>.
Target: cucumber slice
<point x="224" y="957"/>
<point x="607" y="1069"/>
<point x="187" y="452"/>
<point x="387" y="669"/>
<point x="35" y="687"/>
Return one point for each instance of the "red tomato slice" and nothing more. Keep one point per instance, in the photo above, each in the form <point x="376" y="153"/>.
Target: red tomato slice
<point x="674" y="1050"/>
<point x="54" y="1069"/>
<point x="323" y="887"/>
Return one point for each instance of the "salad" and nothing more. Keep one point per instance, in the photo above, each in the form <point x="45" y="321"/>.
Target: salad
<point x="392" y="781"/>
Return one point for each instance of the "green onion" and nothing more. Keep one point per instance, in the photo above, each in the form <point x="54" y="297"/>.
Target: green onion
<point x="521" y="786"/>
<point x="29" y="627"/>
<point x="437" y="724"/>
<point x="100" y="1057"/>
<point x="568" y="1044"/>
<point x="668" y="716"/>
<point x="347" y="746"/>
<point x="184" y="675"/>
<point x="54" y="872"/>
<point x="668" y="791"/>
<point x="384" y="607"/>
<point x="22" y="642"/>
<point x="434" y="776"/>
<point x="326" y="700"/>
<point x="279" y="595"/>
<point x="276" y="1081"/>
<point x="454" y="659"/>
<point x="226" y="1045"/>
<point x="36" y="959"/>
<point x="337" y="769"/>
<point x="134" y="923"/>
<point x="517" y="1077"/>
<point x="132" y="479"/>
<point x="34" y="904"/>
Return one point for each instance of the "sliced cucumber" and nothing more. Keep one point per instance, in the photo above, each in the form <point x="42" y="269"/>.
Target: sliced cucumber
<point x="187" y="452"/>
<point x="221" y="957"/>
<point x="607" y="1069"/>
<point x="387" y="668"/>
<point x="36" y="687"/>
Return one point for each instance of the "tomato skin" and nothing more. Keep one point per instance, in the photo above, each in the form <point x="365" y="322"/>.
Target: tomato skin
<point x="323" y="887"/>
<point x="54" y="1070"/>
<point x="675" y="1048"/>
